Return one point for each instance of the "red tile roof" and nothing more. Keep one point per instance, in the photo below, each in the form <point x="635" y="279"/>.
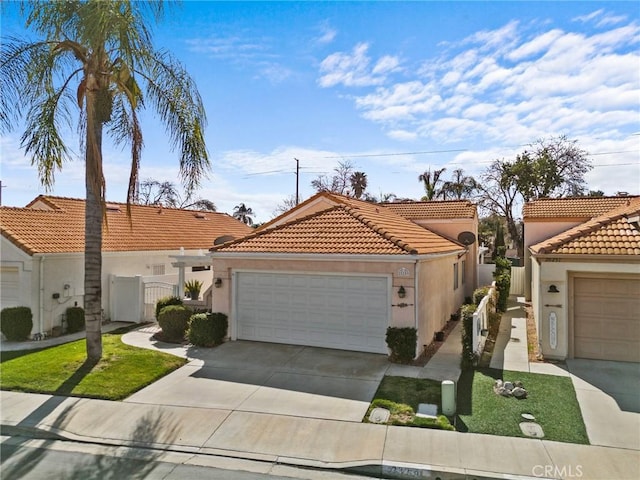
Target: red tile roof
<point x="614" y="233"/>
<point x="446" y="209"/>
<point x="350" y="227"/>
<point x="574" y="207"/>
<point x="56" y="225"/>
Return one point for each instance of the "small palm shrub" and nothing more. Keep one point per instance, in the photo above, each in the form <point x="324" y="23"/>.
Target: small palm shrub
<point x="174" y="320"/>
<point x="207" y="329"/>
<point x="165" y="302"/>
<point x="193" y="287"/>
<point x="75" y="319"/>
<point x="16" y="323"/>
<point x="402" y="343"/>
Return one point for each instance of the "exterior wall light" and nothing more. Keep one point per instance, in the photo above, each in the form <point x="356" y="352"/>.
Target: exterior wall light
<point x="553" y="289"/>
<point x="218" y="282"/>
<point x="402" y="292"/>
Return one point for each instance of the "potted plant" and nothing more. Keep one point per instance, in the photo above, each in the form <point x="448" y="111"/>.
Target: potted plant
<point x="192" y="288"/>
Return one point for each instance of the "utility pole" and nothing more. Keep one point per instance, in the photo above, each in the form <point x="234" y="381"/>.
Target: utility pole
<point x="1" y="187"/>
<point x="297" y="180"/>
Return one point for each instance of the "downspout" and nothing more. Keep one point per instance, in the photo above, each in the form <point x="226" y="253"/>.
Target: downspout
<point x="415" y="304"/>
<point x="41" y="281"/>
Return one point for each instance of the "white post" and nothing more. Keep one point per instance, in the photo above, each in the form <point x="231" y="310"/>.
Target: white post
<point x="448" y="398"/>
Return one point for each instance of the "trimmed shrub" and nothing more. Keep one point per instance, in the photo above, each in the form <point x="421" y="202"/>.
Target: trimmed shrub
<point x="469" y="358"/>
<point x="402" y="343"/>
<point x="479" y="294"/>
<point x="165" y="302"/>
<point x="503" y="285"/>
<point x="16" y="323"/>
<point x="174" y="320"/>
<point x="75" y="319"/>
<point x="207" y="329"/>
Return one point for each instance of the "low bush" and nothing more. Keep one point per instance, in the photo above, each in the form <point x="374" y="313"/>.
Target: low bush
<point x="479" y="294"/>
<point x="402" y="414"/>
<point x="75" y="319"/>
<point x="402" y="343"/>
<point x="165" y="302"/>
<point x="174" y="320"/>
<point x="469" y="358"/>
<point x="207" y="329"/>
<point x="16" y="323"/>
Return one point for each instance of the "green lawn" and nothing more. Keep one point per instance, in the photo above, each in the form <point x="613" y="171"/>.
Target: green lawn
<point x="551" y="399"/>
<point x="402" y="395"/>
<point x="63" y="370"/>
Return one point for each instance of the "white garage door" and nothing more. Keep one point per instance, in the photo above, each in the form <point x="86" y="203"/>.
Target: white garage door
<point x="9" y="287"/>
<point x="607" y="318"/>
<point x="332" y="311"/>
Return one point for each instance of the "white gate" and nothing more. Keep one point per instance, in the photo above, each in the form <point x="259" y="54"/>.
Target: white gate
<point x="153" y="291"/>
<point x="517" y="281"/>
<point x="126" y="299"/>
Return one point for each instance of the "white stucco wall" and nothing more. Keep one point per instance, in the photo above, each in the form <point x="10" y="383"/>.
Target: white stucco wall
<point x="557" y="272"/>
<point x="68" y="269"/>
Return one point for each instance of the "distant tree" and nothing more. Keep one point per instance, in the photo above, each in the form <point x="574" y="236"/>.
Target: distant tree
<point x="554" y="168"/>
<point x="153" y="192"/>
<point x="287" y="204"/>
<point x="432" y="184"/>
<point x="595" y="193"/>
<point x="339" y="182"/>
<point x="460" y="186"/>
<point x="358" y="181"/>
<point x="243" y="213"/>
<point x="499" y="241"/>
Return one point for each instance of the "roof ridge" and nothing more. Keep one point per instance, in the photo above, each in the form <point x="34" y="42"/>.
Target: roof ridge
<point x="592" y="225"/>
<point x="358" y="215"/>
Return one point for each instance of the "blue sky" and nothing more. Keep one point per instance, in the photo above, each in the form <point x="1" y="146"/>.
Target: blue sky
<point x="394" y="87"/>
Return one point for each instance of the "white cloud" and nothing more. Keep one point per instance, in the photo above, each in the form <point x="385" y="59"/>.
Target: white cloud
<point x="353" y="69"/>
<point x="327" y="34"/>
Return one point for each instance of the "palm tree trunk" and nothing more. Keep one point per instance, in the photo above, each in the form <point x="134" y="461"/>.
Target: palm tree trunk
<point x="93" y="232"/>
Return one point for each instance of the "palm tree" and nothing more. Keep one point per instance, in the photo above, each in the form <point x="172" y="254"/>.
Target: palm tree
<point x="242" y="213"/>
<point x="358" y="182"/>
<point x="460" y="186"/>
<point x="98" y="55"/>
<point x="431" y="188"/>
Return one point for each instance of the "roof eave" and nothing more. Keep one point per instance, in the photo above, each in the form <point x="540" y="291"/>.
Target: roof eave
<point x="329" y="257"/>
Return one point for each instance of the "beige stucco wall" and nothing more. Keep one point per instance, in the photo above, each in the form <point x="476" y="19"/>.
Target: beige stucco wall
<point x="437" y="299"/>
<point x="451" y="228"/>
<point x="558" y="272"/>
<point x="435" y="302"/>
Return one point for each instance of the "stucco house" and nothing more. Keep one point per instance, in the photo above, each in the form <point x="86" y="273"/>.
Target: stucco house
<point x="335" y="272"/>
<point x="42" y="252"/>
<point x="585" y="287"/>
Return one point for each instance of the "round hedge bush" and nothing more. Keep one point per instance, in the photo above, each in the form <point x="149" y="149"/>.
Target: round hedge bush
<point x="207" y="329"/>
<point x="16" y="323"/>
<point x="165" y="302"/>
<point x="174" y="320"/>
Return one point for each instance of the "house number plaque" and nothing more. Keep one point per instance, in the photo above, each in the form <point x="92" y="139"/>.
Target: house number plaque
<point x="403" y="272"/>
<point x="553" y="330"/>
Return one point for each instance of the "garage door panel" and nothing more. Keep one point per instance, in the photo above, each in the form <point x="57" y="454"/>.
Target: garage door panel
<point x="606" y="321"/>
<point x="332" y="311"/>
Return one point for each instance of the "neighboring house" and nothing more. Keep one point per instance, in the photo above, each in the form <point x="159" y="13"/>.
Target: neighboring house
<point x="43" y="252"/>
<point x="586" y="277"/>
<point x="335" y="272"/>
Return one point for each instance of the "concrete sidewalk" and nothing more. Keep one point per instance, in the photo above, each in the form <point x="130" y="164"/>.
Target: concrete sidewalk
<point x="397" y="452"/>
<point x="401" y="451"/>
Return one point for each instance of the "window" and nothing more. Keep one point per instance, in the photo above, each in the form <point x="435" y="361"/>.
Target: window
<point x="157" y="269"/>
<point x="464" y="270"/>
<point x="455" y="276"/>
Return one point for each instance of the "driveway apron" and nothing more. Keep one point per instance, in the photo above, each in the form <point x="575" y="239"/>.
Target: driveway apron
<point x="272" y="378"/>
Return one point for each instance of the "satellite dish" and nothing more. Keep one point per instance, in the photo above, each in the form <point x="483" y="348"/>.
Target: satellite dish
<point x="223" y="239"/>
<point x="467" y="238"/>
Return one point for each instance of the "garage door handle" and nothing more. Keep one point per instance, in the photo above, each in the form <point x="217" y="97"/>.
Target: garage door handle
<point x="402" y="305"/>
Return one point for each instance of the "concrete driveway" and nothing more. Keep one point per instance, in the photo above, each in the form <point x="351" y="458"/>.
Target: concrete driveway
<point x="272" y="378"/>
<point x="609" y="397"/>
